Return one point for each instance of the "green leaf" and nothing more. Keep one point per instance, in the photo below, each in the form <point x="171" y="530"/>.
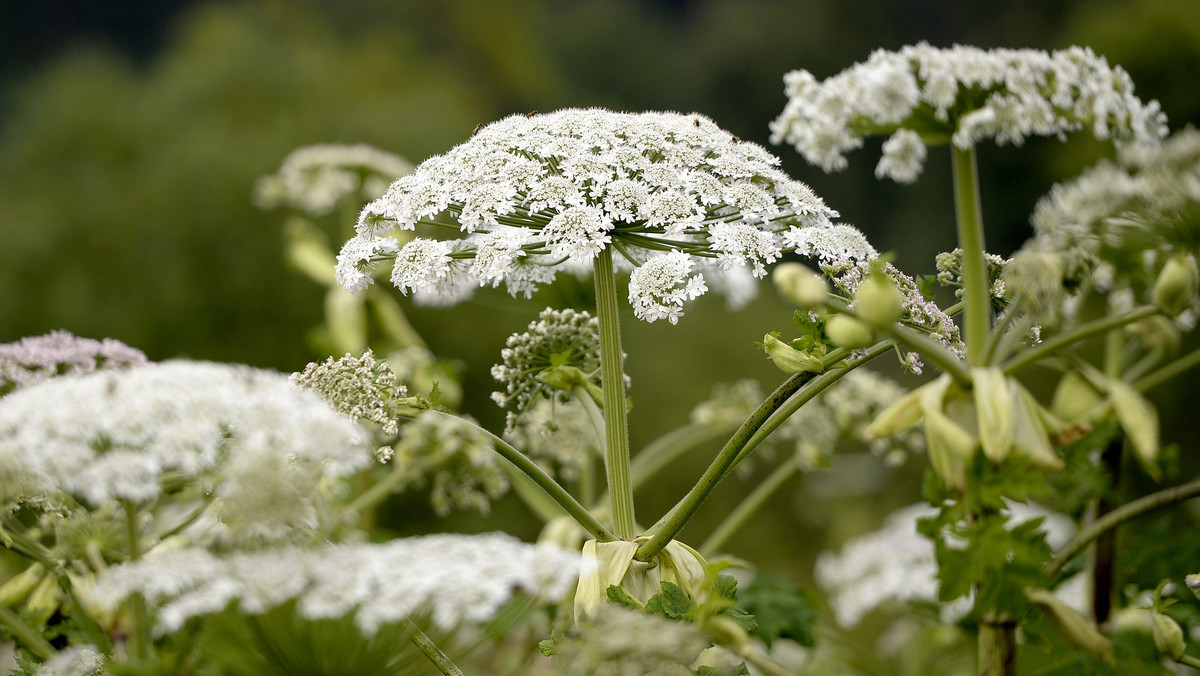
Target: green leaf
<point x="671" y="603"/>
<point x="782" y="609"/>
<point x="621" y="597"/>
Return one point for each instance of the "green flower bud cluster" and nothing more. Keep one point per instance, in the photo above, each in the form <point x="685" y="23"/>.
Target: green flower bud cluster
<point x="996" y="414"/>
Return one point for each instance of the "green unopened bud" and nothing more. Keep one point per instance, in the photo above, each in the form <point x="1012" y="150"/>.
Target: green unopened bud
<point x="995" y="410"/>
<point x="1193" y="582"/>
<point x="878" y="302"/>
<point x="948" y="414"/>
<point x="1074" y="627"/>
<point x="846" y="331"/>
<point x="1075" y="398"/>
<point x="1176" y="284"/>
<point x="789" y="359"/>
<point x="799" y="285"/>
<point x="1168" y="635"/>
<point x="894" y="419"/>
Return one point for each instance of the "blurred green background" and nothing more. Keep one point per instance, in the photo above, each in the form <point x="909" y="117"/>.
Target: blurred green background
<point x="131" y="138"/>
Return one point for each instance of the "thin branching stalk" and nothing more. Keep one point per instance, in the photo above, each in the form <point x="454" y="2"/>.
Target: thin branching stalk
<point x="587" y="478"/>
<point x="1128" y="511"/>
<point x="1076" y="334"/>
<point x="1168" y="371"/>
<point x="544" y="481"/>
<point x="428" y="648"/>
<point x="612" y="380"/>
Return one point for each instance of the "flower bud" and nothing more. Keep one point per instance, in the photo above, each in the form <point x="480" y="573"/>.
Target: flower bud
<point x="1075" y="398"/>
<point x="1176" y="284"/>
<point x="1193" y="582"/>
<point x="1074" y="627"/>
<point x="994" y="407"/>
<point x="1168" y="635"/>
<point x="800" y="285"/>
<point x="789" y="359"/>
<point x="846" y="331"/>
<point x="878" y="302"/>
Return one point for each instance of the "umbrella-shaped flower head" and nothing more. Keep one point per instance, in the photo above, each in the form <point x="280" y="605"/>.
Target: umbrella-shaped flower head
<point x="922" y="94"/>
<point x="672" y="195"/>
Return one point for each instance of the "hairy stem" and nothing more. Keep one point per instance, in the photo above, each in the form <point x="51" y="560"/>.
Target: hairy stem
<point x="612" y="380"/>
<point x="544" y="481"/>
<point x="969" y="219"/>
<point x="430" y="650"/>
<point x="1126" y="512"/>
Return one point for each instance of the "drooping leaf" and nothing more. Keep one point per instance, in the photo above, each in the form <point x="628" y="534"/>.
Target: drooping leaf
<point x="782" y="609"/>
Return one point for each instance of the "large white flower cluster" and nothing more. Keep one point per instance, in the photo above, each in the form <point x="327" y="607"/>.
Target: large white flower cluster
<point x="255" y="442"/>
<point x="922" y="94"/>
<point x="454" y="578"/>
<point x="1145" y="203"/>
<point x="312" y="179"/>
<point x="531" y="195"/>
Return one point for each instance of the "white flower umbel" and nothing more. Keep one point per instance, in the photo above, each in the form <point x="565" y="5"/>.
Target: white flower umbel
<point x="532" y="195"/>
<point x="312" y="179"/>
<point x="360" y="387"/>
<point x="113" y="436"/>
<point x="1144" y="202"/>
<point x="922" y="94"/>
<point x="455" y="579"/>
<point x="58" y="353"/>
<point x="77" y="660"/>
<point x="897" y="564"/>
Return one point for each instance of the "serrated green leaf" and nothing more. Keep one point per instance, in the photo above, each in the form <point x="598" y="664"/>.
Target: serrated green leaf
<point x="622" y="598"/>
<point x="671" y="603"/>
<point x="781" y="608"/>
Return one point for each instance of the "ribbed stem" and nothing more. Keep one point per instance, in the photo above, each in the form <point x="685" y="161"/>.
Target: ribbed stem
<point x="612" y="380"/>
<point x="997" y="648"/>
<point x="431" y="651"/>
<point x="969" y="218"/>
<point x="1130" y="510"/>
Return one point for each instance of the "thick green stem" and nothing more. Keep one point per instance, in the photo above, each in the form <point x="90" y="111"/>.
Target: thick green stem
<point x="430" y="650"/>
<point x="748" y="506"/>
<point x="1126" y="512"/>
<point x="670" y="525"/>
<point x="612" y="380"/>
<point x="969" y="218"/>
<point x="997" y="648"/>
<point x="26" y="636"/>
<point x="544" y="481"/>
<point x="1057" y="343"/>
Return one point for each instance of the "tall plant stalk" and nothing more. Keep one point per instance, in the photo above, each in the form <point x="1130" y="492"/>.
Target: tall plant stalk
<point x="612" y="380"/>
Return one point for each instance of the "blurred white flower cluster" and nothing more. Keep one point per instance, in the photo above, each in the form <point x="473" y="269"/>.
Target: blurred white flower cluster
<point x="312" y="179"/>
<point x="453" y="578"/>
<point x="256" y="444"/>
<point x="455" y="457"/>
<point x="534" y="194"/>
<point x="59" y="353"/>
<point x="897" y="564"/>
<point x="1144" y="203"/>
<point x="922" y="94"/>
<point x="76" y="660"/>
